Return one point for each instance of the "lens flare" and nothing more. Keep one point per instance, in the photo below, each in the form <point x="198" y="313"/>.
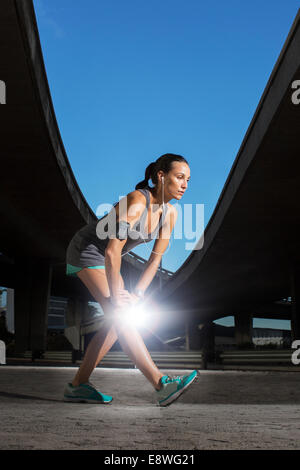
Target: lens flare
<point x="144" y="314"/>
<point x="135" y="315"/>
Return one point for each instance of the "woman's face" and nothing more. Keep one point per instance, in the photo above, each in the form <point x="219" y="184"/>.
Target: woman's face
<point x="176" y="181"/>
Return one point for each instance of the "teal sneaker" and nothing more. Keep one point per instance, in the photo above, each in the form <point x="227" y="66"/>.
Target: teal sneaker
<point x="172" y="387"/>
<point x="85" y="393"/>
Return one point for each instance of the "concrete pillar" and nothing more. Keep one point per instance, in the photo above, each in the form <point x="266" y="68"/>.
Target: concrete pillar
<point x="77" y="310"/>
<point x="201" y="337"/>
<point x="41" y="287"/>
<point x="207" y="341"/>
<point x="243" y="330"/>
<point x="23" y="292"/>
<point x="295" y="296"/>
<point x="192" y="335"/>
<point x="32" y="292"/>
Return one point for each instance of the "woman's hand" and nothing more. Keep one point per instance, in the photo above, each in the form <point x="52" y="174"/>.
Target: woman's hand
<point x="134" y="298"/>
<point x="123" y="299"/>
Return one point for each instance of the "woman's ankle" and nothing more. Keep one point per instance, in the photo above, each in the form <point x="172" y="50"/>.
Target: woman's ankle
<point x="77" y="382"/>
<point x="158" y="385"/>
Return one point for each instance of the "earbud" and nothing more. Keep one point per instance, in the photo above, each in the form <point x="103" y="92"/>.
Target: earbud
<point x="162" y="191"/>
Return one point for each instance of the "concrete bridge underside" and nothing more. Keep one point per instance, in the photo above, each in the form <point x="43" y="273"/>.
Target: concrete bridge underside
<point x="250" y="258"/>
<point x="42" y="205"/>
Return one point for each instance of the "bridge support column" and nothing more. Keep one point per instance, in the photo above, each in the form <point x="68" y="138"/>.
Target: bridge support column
<point x="295" y="295"/>
<point x="76" y="311"/>
<point x="32" y="292"/>
<point x="192" y="335"/>
<point x="201" y="337"/>
<point x="207" y="335"/>
<point x="243" y="330"/>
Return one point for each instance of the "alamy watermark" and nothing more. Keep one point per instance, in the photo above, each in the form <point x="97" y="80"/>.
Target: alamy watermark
<point x="296" y="94"/>
<point x="296" y="354"/>
<point x="2" y="352"/>
<point x="2" y="92"/>
<point x="189" y="225"/>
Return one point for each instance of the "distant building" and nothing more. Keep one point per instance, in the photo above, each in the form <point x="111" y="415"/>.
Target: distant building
<point x="225" y="337"/>
<point x="271" y="337"/>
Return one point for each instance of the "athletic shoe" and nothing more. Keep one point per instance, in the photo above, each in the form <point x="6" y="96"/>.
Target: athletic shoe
<point x="85" y="393"/>
<point x="172" y="387"/>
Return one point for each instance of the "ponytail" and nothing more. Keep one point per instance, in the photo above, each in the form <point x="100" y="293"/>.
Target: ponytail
<point x="163" y="163"/>
<point x="149" y="174"/>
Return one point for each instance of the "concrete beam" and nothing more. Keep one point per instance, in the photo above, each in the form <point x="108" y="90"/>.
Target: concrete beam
<point x="243" y="330"/>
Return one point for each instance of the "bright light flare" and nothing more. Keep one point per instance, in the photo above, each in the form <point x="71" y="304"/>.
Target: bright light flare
<point x="135" y="315"/>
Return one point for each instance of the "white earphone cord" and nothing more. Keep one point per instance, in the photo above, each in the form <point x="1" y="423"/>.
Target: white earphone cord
<point x="163" y="211"/>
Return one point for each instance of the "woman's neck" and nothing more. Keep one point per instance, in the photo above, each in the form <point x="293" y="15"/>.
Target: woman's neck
<point x="156" y="197"/>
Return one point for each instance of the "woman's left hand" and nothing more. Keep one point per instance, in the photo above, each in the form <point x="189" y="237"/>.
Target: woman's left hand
<point x="134" y="298"/>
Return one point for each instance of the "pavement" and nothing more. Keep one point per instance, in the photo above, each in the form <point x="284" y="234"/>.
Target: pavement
<point x="222" y="410"/>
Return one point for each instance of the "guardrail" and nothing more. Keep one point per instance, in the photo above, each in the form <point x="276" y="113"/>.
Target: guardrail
<point x="56" y="356"/>
<point x="252" y="357"/>
<point x="172" y="359"/>
<point x="163" y="360"/>
<point x="118" y="359"/>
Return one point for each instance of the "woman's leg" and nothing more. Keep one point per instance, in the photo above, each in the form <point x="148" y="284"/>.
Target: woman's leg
<point x="131" y="341"/>
<point x="104" y="339"/>
<point x="133" y="345"/>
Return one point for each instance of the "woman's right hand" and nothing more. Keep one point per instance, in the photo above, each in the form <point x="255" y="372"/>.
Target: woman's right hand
<point x="122" y="299"/>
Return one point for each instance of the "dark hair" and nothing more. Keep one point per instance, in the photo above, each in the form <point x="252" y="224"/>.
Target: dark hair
<point x="163" y="163"/>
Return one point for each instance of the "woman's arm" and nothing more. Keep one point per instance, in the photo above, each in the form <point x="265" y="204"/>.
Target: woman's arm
<point x="158" y="250"/>
<point x="129" y="210"/>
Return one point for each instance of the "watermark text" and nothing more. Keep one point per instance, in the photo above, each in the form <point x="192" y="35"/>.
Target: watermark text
<point x="296" y="94"/>
<point x="296" y="354"/>
<point x="121" y="222"/>
<point x="2" y="92"/>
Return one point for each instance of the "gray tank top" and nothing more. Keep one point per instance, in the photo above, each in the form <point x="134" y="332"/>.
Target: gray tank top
<point x="137" y="235"/>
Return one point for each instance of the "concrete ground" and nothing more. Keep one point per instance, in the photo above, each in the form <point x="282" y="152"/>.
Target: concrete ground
<point x="221" y="410"/>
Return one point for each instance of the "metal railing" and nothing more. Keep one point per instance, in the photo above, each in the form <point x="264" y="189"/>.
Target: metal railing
<point x="118" y="359"/>
<point x="252" y="357"/>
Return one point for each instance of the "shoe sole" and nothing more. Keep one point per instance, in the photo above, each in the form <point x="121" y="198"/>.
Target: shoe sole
<point x="85" y="400"/>
<point x="176" y="395"/>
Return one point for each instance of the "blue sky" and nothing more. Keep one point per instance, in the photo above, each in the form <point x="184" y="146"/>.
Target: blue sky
<point x="132" y="80"/>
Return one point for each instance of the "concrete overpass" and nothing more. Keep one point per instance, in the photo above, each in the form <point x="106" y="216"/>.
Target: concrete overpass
<point x="251" y="254"/>
<point x="250" y="258"/>
<point x="42" y="205"/>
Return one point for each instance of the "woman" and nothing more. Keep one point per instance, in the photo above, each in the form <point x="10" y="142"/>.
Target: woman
<point x="94" y="255"/>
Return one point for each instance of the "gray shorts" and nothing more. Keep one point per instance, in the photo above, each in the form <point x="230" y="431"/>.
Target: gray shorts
<point x="82" y="255"/>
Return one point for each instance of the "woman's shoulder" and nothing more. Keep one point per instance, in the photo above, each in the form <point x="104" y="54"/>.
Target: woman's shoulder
<point x="134" y="200"/>
<point x="136" y="196"/>
<point x="172" y="208"/>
